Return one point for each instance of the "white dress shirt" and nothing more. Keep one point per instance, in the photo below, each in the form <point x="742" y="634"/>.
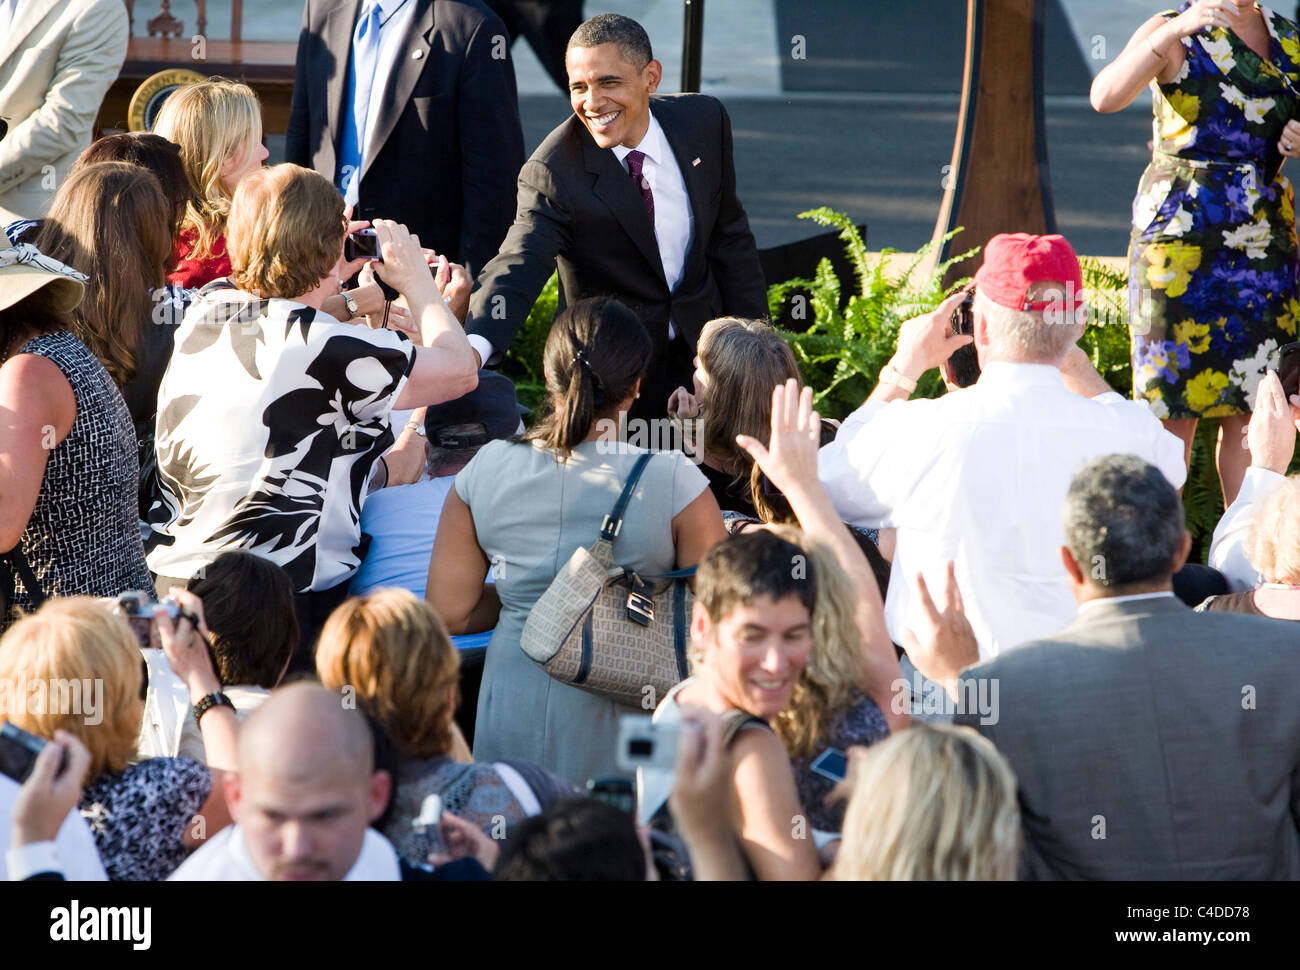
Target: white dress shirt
<point x="674" y="221"/>
<point x="72" y="852"/>
<point x="673" y="218"/>
<point x="225" y="858"/>
<point x="978" y="476"/>
<point x="1228" y="548"/>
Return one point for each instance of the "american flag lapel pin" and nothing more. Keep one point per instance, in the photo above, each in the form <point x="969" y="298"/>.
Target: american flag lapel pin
<point x="694" y="163"/>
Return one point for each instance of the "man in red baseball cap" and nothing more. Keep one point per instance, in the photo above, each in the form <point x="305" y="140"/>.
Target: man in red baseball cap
<point x="978" y="476"/>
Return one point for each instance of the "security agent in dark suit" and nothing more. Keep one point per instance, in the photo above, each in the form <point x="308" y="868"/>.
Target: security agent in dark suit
<point x="1149" y="741"/>
<point x="633" y="197"/>
<point x="445" y="144"/>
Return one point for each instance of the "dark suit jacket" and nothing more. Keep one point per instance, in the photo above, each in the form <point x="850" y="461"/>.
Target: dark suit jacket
<point x="579" y="210"/>
<point x="449" y="126"/>
<point x="1175" y="734"/>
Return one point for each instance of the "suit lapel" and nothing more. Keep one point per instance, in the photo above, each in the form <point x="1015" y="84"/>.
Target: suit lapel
<point x="337" y="38"/>
<point x="692" y="174"/>
<point x="406" y="71"/>
<point x="28" y="16"/>
<point x="614" y="187"/>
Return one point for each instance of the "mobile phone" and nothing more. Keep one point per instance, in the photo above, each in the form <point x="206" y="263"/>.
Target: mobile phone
<point x="964" y="362"/>
<point x="139" y="611"/>
<point x="832" y="764"/>
<point x="362" y="244"/>
<point x="1288" y="368"/>
<point x="18" y="751"/>
<point x="644" y="744"/>
<point x="427" y="822"/>
<point x="617" y="792"/>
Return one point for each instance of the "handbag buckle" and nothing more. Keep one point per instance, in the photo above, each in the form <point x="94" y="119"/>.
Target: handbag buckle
<point x="640" y="607"/>
<point x="609" y="529"/>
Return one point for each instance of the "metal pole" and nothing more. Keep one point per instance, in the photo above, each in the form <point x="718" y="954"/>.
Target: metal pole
<point x="692" y="45"/>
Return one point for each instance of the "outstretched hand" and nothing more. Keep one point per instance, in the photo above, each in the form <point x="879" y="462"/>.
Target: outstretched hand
<point x="944" y="645"/>
<point x="1272" y="429"/>
<point x="790" y="457"/>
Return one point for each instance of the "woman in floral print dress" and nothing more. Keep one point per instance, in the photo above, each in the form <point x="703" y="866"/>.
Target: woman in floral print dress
<point x="1212" y="257"/>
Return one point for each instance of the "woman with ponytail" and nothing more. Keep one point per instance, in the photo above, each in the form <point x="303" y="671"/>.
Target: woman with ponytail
<point x="523" y="507"/>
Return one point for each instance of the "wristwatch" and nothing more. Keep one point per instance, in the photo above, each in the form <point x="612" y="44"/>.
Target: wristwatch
<point x="210" y="701"/>
<point x="351" y="303"/>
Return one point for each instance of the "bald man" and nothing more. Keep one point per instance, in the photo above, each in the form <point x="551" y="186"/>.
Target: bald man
<point x="303" y="800"/>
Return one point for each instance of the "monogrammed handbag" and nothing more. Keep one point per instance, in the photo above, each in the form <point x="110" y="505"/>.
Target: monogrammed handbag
<point x="607" y="630"/>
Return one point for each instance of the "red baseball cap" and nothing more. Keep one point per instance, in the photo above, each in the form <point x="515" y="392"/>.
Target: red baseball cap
<point x="1013" y="262"/>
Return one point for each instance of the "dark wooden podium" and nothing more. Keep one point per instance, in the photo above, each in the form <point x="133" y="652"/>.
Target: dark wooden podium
<point x="999" y="180"/>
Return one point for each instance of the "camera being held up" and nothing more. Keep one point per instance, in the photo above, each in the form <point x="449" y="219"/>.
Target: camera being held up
<point x="964" y="363"/>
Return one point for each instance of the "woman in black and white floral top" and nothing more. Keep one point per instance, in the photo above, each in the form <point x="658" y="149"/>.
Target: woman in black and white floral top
<point x="272" y="412"/>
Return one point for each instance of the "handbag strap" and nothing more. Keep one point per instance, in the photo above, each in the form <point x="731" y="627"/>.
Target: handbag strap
<point x="613" y="523"/>
<point x="17" y="563"/>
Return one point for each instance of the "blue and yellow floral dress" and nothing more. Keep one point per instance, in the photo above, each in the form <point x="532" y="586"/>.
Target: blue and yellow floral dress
<point x="1212" y="257"/>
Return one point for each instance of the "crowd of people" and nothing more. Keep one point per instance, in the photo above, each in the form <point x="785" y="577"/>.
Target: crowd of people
<point x="273" y="536"/>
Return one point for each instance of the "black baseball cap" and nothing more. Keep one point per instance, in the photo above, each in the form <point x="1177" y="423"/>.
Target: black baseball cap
<point x="492" y="406"/>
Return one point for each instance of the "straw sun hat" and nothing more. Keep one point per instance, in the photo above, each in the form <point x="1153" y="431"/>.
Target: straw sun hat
<point x="24" y="269"/>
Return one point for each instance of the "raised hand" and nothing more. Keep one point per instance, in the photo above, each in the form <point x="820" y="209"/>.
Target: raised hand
<point x="790" y="457"/>
<point x="1272" y="430"/>
<point x="944" y="645"/>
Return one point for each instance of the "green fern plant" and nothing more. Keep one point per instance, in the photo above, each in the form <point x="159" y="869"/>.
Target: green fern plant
<point x="849" y="340"/>
<point x="523" y="361"/>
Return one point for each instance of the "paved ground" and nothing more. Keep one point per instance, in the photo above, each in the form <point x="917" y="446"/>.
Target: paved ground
<point x="853" y="104"/>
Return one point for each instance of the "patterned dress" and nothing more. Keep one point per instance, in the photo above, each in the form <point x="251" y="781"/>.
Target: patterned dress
<point x="1212" y="257"/>
<point x="83" y="537"/>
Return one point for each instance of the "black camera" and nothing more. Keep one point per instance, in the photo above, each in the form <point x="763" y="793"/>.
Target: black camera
<point x="362" y="244"/>
<point x="964" y="363"/>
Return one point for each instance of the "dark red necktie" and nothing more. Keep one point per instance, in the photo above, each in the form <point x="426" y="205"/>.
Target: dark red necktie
<point x="635" y="162"/>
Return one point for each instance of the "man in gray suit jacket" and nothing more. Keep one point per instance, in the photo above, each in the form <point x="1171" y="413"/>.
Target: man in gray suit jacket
<point x="1149" y="741"/>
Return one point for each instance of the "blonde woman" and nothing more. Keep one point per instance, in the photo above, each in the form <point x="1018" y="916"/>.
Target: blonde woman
<point x="392" y="651"/>
<point x="218" y="126"/>
<point x="935" y="802"/>
<point x="140" y="813"/>
<point x="1273" y="548"/>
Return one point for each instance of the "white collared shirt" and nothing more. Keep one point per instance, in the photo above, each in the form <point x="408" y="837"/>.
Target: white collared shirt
<point x="978" y="476"/>
<point x="395" y="19"/>
<point x="225" y="858"/>
<point x="1131" y="598"/>
<point x="673" y="218"/>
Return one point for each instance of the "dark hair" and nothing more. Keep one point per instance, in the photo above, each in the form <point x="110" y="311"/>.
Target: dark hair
<point x="33" y="315"/>
<point x="752" y="564"/>
<point x="110" y="221"/>
<point x="248" y="604"/>
<point x="574" y="839"/>
<point x="1123" y="522"/>
<point x="148" y="151"/>
<point x="612" y="28"/>
<point x="596" y="352"/>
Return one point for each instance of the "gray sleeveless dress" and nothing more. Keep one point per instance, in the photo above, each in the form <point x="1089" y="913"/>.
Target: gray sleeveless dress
<point x="531" y="513"/>
<point x="83" y="537"/>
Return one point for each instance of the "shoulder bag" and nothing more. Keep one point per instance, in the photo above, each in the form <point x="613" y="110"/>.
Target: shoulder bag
<point x="607" y="630"/>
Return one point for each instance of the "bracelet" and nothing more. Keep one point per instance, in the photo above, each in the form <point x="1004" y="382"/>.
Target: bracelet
<point x="892" y="375"/>
<point x="209" y="701"/>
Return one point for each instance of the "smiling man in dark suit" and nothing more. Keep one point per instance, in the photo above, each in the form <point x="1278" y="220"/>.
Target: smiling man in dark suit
<point x="410" y="107"/>
<point x="632" y="197"/>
